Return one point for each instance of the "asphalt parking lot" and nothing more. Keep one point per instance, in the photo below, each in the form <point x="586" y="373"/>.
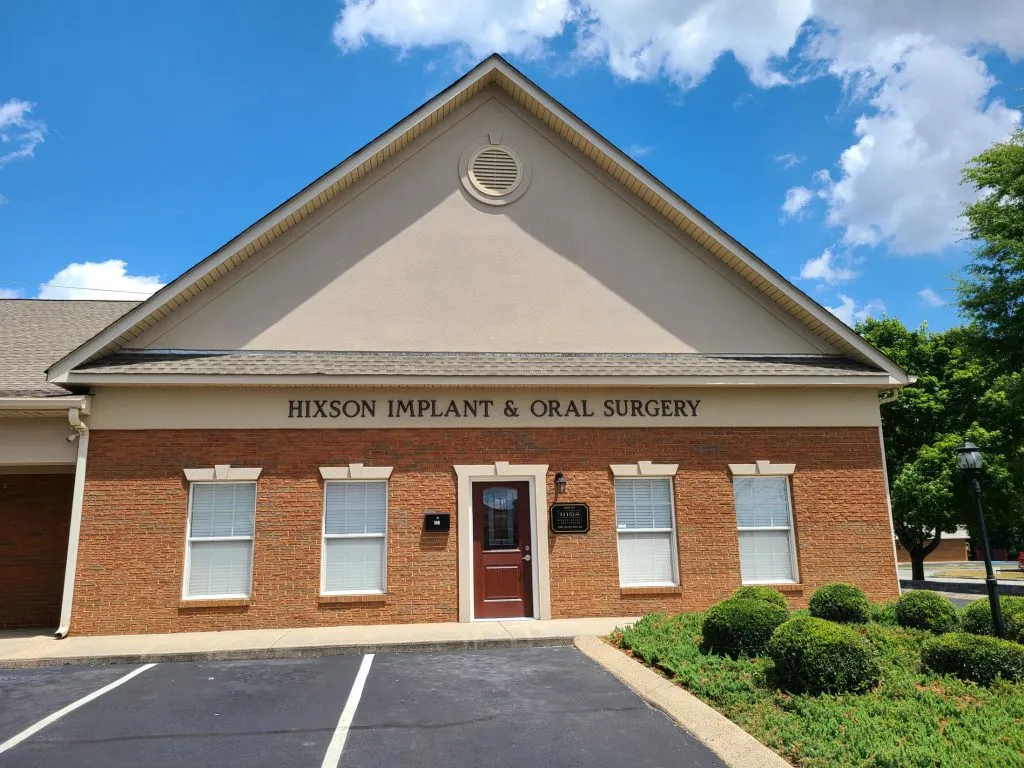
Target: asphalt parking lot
<point x="511" y="707"/>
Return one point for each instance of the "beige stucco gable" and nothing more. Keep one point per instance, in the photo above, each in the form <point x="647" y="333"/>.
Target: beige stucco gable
<point x="407" y="260"/>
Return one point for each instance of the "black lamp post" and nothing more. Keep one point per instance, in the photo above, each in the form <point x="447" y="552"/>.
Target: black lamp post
<point x="969" y="459"/>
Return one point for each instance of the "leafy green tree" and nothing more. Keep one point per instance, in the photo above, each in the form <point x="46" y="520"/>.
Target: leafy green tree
<point x="959" y="394"/>
<point x="992" y="291"/>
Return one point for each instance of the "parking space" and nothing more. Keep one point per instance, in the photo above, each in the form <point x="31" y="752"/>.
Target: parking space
<point x="512" y="707"/>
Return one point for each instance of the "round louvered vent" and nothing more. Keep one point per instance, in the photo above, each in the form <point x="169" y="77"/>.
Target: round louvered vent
<point x="495" y="170"/>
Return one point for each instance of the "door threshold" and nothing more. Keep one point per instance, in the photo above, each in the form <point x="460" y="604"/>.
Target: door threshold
<point x="511" y="618"/>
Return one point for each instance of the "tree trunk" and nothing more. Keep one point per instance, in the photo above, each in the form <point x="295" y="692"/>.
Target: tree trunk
<point x="917" y="566"/>
<point x="918" y="552"/>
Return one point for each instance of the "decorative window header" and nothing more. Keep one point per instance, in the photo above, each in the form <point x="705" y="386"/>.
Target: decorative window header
<point x="222" y="473"/>
<point x="762" y="467"/>
<point x="644" y="469"/>
<point x="356" y="472"/>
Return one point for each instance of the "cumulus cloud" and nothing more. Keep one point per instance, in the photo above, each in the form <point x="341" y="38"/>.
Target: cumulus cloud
<point x="9" y="293"/>
<point x="851" y="313"/>
<point x="912" y="67"/>
<point x="827" y="269"/>
<point x="99" y="280"/>
<point x="930" y="298"/>
<point x="899" y="184"/>
<point x="796" y="200"/>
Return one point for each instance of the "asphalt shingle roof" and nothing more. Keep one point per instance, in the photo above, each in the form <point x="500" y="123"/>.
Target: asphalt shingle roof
<point x="474" y="364"/>
<point x="35" y="333"/>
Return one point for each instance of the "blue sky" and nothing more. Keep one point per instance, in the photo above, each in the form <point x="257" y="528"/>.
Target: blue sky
<point x="142" y="136"/>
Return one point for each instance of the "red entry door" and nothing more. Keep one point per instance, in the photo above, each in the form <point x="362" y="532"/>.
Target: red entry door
<point x="502" y="558"/>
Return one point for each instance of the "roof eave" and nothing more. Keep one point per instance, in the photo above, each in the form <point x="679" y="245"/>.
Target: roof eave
<point x="881" y="381"/>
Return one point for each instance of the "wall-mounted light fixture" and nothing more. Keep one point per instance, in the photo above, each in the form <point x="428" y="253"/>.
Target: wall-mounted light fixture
<point x="560" y="483"/>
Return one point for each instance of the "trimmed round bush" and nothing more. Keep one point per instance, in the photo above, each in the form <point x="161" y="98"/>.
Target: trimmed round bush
<point x="976" y="618"/>
<point x="921" y="609"/>
<point x="817" y="656"/>
<point x="971" y="657"/>
<point x="740" y="627"/>
<point x="754" y="592"/>
<point x="844" y="603"/>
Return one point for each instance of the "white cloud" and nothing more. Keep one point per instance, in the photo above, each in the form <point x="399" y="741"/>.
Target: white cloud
<point x="99" y="280"/>
<point x="900" y="183"/>
<point x="788" y="160"/>
<point x="477" y="26"/>
<point x="826" y="269"/>
<point x="930" y="298"/>
<point x="796" y="200"/>
<point x="18" y="130"/>
<point x="636" y="151"/>
<point x="9" y="293"/>
<point x="912" y="67"/>
<point x="851" y="313"/>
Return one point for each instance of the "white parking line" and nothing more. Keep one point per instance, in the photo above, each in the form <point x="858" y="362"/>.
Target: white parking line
<point x="333" y="756"/>
<point x="16" y="740"/>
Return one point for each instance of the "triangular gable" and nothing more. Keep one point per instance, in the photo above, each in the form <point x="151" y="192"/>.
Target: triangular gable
<point x="493" y="71"/>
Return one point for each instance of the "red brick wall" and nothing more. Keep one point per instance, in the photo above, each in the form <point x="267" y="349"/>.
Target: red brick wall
<point x="133" y="527"/>
<point x="35" y="511"/>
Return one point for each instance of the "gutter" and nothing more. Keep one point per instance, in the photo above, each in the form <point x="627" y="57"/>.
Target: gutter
<point x="40" y="404"/>
<point x="81" y="434"/>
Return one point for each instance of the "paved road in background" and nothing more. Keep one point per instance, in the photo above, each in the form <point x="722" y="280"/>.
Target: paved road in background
<point x="515" y="708"/>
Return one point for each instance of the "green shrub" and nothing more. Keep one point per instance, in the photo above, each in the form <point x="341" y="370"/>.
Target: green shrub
<point x="977" y="616"/>
<point x="844" y="603"/>
<point x="970" y="657"/>
<point x="884" y="613"/>
<point x="740" y="627"/>
<point x="754" y="592"/>
<point x="921" y="609"/>
<point x="816" y="656"/>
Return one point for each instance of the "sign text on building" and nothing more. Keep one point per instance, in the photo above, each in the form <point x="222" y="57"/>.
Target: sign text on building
<point x="541" y="408"/>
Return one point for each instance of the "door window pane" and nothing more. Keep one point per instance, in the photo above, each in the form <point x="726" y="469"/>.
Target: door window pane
<point x="500" y="518"/>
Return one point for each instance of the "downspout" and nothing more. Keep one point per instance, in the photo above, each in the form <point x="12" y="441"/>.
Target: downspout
<point x="888" y="397"/>
<point x="81" y="433"/>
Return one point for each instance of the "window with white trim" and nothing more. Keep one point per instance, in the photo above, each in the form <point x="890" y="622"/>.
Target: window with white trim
<point x="355" y="538"/>
<point x="764" y="520"/>
<point x="221" y="521"/>
<point x="645" y="524"/>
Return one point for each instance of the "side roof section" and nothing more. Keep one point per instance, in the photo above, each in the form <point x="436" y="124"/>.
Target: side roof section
<point x="493" y="70"/>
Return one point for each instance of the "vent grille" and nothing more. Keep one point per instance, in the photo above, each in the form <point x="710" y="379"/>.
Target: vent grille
<point x="495" y="171"/>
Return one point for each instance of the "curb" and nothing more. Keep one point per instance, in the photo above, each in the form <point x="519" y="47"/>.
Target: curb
<point x="735" y="747"/>
<point x="961" y="587"/>
<point x="300" y="652"/>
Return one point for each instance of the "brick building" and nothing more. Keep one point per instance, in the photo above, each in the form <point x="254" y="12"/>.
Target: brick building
<point x="486" y="367"/>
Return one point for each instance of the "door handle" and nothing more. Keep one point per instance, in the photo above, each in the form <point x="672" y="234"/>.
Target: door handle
<point x="527" y="558"/>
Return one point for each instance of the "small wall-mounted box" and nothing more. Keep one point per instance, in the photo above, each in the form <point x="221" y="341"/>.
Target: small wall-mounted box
<point x="437" y="521"/>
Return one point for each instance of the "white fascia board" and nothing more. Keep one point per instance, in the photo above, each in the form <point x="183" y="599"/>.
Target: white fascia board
<point x="879" y="382"/>
<point x="60" y="403"/>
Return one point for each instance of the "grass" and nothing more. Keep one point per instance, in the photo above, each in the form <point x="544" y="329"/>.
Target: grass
<point x="911" y="720"/>
<point x="979" y="573"/>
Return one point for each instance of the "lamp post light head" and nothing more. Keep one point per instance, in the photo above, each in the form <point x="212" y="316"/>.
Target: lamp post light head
<point x="968" y="457"/>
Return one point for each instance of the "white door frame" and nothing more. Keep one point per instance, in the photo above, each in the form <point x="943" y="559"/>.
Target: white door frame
<point x="536" y="475"/>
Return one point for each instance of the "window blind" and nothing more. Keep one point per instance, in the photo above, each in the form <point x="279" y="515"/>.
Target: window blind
<point x="765" y="528"/>
<point x="221" y="525"/>
<point x="645" y="524"/>
<point x="355" y="537"/>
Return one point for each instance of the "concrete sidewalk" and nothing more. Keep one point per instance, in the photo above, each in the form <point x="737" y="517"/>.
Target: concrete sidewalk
<point x="28" y="649"/>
